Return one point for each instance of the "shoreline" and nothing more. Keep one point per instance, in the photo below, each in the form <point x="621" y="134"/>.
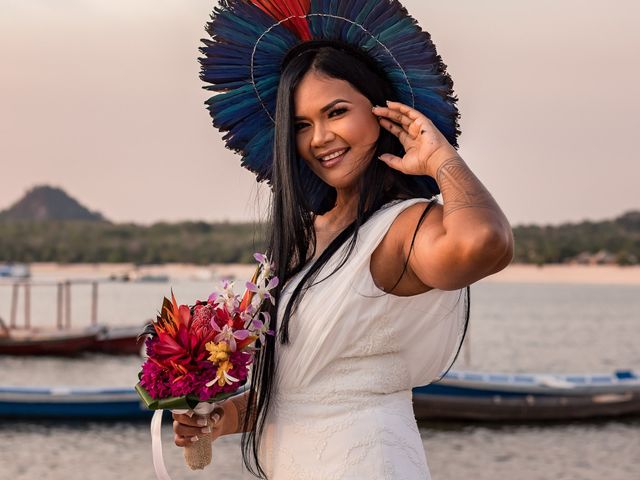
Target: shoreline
<point x="514" y="273"/>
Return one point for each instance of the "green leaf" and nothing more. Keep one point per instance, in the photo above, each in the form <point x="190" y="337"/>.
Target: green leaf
<point x="186" y="402"/>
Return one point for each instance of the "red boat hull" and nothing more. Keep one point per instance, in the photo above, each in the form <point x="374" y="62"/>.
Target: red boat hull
<point x="43" y="344"/>
<point x="115" y="342"/>
<point x="112" y="341"/>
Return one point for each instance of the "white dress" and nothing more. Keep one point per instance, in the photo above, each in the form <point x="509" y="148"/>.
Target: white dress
<point x="342" y="405"/>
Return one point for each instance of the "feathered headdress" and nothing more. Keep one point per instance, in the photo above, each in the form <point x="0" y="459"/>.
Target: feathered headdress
<point x="250" y="39"/>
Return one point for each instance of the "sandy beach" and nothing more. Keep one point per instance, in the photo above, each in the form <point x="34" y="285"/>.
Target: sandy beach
<point x="175" y="271"/>
<point x="577" y="274"/>
<point x="515" y="273"/>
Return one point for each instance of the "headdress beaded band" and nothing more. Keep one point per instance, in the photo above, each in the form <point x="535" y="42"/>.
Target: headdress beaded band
<point x="382" y="45"/>
<point x="250" y="39"/>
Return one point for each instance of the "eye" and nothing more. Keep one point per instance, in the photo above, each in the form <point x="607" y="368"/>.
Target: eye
<point x="337" y="112"/>
<point x="300" y="126"/>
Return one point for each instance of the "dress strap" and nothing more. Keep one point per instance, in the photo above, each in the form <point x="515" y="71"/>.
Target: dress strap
<point x="372" y="233"/>
<point x="369" y="237"/>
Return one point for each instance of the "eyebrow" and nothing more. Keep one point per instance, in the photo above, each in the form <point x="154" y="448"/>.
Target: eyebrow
<point x="329" y="106"/>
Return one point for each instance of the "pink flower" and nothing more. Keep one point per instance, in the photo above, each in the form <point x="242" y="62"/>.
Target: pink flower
<point x="155" y="380"/>
<point x="260" y="328"/>
<point x="227" y="334"/>
<point x="262" y="291"/>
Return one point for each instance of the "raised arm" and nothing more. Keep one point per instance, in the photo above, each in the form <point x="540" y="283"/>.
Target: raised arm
<point x="467" y="238"/>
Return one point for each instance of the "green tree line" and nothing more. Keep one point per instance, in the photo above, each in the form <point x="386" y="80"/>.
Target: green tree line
<point x="620" y="238"/>
<point x="203" y="243"/>
<point x="92" y="242"/>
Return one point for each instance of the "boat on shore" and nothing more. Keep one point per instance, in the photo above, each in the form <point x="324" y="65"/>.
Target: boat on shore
<point x="118" y="341"/>
<point x="36" y="341"/>
<point x="528" y="397"/>
<point x="22" y="338"/>
<point x="15" y="270"/>
<point x="70" y="341"/>
<point x="71" y="403"/>
<point x="466" y="396"/>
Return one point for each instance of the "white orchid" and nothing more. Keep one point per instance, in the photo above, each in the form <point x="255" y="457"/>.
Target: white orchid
<point x="227" y="297"/>
<point x="265" y="263"/>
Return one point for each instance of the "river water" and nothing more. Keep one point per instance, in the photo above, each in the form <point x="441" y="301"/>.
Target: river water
<point x="515" y="327"/>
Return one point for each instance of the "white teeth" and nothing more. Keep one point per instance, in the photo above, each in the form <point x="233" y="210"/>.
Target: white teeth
<point x="333" y="155"/>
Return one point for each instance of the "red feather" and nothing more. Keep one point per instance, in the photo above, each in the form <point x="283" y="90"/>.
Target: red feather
<point x="280" y="10"/>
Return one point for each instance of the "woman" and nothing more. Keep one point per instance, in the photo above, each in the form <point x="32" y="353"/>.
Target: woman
<point x="373" y="269"/>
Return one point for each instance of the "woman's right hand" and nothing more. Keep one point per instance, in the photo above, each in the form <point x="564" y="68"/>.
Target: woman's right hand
<point x="188" y="429"/>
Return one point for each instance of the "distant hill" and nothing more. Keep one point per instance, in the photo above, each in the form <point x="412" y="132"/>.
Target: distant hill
<point x="48" y="203"/>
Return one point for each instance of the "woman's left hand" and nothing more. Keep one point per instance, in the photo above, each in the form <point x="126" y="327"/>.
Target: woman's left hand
<point x="421" y="140"/>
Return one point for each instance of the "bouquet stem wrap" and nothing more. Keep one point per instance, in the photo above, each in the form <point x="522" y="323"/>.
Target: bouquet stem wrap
<point x="198" y="454"/>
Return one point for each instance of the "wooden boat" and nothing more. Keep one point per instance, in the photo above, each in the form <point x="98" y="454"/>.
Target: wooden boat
<point x="34" y="341"/>
<point x="528" y="397"/>
<point x="70" y="403"/>
<point x="118" y="341"/>
<point x="68" y="342"/>
<point x="63" y="339"/>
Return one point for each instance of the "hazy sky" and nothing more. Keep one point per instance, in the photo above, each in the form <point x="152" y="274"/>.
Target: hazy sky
<point x="102" y="98"/>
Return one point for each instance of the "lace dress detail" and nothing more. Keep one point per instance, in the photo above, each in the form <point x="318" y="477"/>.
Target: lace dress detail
<point x="342" y="407"/>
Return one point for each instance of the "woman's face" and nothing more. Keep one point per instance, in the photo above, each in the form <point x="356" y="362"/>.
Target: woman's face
<point x="336" y="131"/>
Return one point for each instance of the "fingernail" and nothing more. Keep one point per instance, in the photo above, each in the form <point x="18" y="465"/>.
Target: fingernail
<point x="206" y="430"/>
<point x="202" y="422"/>
<point x="194" y="438"/>
<point x="216" y="417"/>
<point x="387" y="102"/>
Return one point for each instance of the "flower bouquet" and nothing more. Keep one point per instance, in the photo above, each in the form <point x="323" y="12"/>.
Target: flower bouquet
<point x="202" y="354"/>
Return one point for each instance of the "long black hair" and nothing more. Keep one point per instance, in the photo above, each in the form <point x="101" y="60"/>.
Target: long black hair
<point x="299" y="196"/>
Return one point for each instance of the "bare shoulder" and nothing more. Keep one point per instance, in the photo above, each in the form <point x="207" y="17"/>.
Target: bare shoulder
<point x="389" y="258"/>
<point x="407" y="221"/>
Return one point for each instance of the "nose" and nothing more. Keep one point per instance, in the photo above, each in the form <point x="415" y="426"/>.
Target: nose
<point x="321" y="135"/>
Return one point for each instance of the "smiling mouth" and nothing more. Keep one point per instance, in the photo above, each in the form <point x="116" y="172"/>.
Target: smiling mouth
<point x="333" y="158"/>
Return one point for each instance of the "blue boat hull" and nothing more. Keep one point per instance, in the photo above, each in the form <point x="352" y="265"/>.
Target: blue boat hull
<point x="528" y="397"/>
<point x="97" y="410"/>
<point x="71" y="403"/>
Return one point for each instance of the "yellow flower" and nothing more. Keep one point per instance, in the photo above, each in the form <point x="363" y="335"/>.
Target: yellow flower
<point x="222" y="376"/>
<point x="219" y="352"/>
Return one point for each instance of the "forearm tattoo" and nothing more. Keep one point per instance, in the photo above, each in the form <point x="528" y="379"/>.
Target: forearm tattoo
<point x="241" y="404"/>
<point x="461" y="188"/>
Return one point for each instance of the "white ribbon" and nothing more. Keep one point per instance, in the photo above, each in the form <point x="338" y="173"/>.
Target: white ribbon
<point x="156" y="446"/>
<point x="202" y="408"/>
